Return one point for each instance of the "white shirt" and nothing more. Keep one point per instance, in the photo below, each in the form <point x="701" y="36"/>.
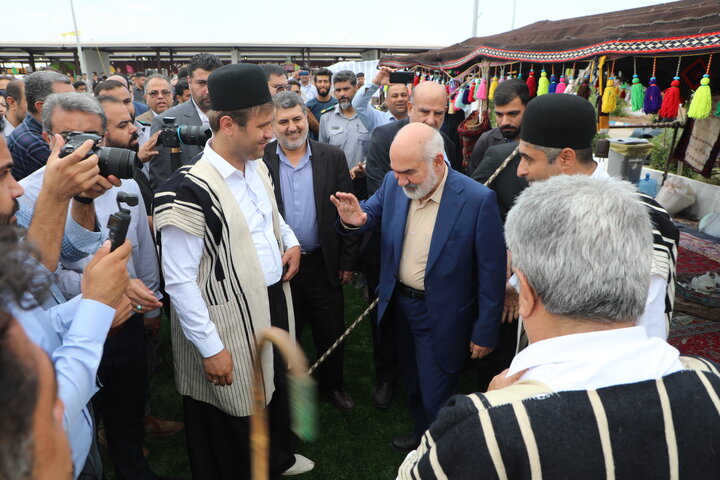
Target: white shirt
<point x="588" y="361"/>
<point x="142" y="264"/>
<point x="8" y="128"/>
<point x="201" y="114"/>
<point x="183" y="252"/>
<point x="653" y="317"/>
<point x="309" y="91"/>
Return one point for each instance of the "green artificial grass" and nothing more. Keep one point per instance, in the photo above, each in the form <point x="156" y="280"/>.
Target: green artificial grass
<point x="350" y="445"/>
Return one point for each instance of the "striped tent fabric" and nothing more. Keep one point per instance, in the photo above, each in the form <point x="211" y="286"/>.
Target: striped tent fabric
<point x="658" y="429"/>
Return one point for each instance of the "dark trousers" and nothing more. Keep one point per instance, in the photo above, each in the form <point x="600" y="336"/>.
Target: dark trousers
<point x="427" y="384"/>
<point x="320" y="305"/>
<point x="384" y="344"/>
<point x="121" y="400"/>
<point x="219" y="443"/>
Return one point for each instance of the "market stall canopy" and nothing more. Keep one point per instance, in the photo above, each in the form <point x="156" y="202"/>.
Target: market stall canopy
<point x="694" y="26"/>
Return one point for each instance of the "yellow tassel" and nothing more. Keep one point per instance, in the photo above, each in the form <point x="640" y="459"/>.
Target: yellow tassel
<point x="701" y="103"/>
<point x="493" y="86"/>
<point x="609" y="100"/>
<point x="543" y="84"/>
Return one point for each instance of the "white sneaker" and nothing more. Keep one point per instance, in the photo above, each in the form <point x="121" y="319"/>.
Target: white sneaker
<point x="301" y="465"/>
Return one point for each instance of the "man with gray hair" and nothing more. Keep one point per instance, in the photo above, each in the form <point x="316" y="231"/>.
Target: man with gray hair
<point x="342" y="126"/>
<point x="305" y="173"/>
<point x="442" y="268"/>
<point x="28" y="149"/>
<point x="593" y="392"/>
<point x="556" y="138"/>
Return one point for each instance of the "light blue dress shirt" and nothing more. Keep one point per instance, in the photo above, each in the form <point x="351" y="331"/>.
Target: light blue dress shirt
<point x="73" y="335"/>
<point x="370" y="116"/>
<point x="296" y="185"/>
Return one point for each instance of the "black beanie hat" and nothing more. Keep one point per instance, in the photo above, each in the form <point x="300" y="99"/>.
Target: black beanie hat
<point x="237" y="86"/>
<point x="559" y="120"/>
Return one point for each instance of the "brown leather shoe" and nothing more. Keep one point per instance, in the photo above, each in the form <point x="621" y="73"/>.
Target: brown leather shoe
<point x="340" y="399"/>
<point x="158" y="427"/>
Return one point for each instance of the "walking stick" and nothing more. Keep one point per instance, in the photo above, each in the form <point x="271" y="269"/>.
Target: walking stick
<point x="301" y="389"/>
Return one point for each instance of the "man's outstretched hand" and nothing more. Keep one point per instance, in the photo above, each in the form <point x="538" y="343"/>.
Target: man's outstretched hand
<point x="349" y="209"/>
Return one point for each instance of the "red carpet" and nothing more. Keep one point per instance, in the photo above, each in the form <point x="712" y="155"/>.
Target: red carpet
<point x="699" y="337"/>
<point x="691" y="262"/>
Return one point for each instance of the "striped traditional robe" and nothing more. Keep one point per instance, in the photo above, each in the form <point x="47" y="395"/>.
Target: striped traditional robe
<point x="197" y="200"/>
<point x="658" y="429"/>
<point x="666" y="239"/>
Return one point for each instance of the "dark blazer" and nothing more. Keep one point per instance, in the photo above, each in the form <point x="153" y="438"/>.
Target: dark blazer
<point x="185" y="114"/>
<point x="488" y="139"/>
<point x="330" y="175"/>
<point x="378" y="155"/>
<point x="465" y="273"/>
<point x="507" y="185"/>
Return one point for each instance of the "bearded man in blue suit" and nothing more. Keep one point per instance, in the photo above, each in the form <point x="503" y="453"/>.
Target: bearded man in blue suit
<point x="443" y="266"/>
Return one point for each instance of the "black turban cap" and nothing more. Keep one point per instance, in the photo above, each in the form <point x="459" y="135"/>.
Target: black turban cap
<point x="559" y="120"/>
<point x="238" y="86"/>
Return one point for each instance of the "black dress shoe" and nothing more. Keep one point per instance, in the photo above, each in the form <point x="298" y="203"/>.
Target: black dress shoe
<point x="340" y="399"/>
<point x="405" y="443"/>
<point x="382" y="395"/>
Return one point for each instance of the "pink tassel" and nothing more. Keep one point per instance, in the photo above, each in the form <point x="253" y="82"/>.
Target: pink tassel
<point x="561" y="85"/>
<point x="482" y="90"/>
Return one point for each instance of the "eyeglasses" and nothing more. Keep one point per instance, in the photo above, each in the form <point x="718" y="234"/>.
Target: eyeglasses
<point x="281" y="88"/>
<point x="155" y="93"/>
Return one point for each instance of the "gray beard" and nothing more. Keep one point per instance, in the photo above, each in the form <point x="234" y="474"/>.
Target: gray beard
<point x="420" y="191"/>
<point x="345" y="104"/>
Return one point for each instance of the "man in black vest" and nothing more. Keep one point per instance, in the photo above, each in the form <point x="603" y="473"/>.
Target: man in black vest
<point x="305" y="173"/>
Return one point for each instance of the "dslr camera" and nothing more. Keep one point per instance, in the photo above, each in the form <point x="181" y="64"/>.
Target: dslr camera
<point x="174" y="136"/>
<point x="112" y="161"/>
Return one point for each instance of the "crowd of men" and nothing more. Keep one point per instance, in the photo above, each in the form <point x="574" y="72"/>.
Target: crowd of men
<point x="552" y="278"/>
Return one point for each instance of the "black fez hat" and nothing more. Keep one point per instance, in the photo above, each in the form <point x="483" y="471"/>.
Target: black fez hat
<point x="559" y="120"/>
<point x="237" y="86"/>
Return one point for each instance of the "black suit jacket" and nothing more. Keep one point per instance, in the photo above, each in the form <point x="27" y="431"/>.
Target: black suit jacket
<point x="330" y="175"/>
<point x="160" y="170"/>
<point x="507" y="184"/>
<point x="378" y="155"/>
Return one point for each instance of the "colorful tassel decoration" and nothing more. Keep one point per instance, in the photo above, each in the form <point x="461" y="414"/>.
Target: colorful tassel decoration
<point x="609" y="99"/>
<point x="671" y="100"/>
<point x="584" y="88"/>
<point x="701" y="103"/>
<point x="493" y="86"/>
<point x="717" y="112"/>
<point x="561" y="86"/>
<point x="636" y="94"/>
<point x="543" y="84"/>
<point x="553" y="84"/>
<point x="466" y="96"/>
<point x="531" y="83"/>
<point x="481" y="93"/>
<point x="653" y="97"/>
<point x="471" y="93"/>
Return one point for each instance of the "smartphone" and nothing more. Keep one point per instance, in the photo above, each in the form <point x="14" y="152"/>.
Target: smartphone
<point x="402" y="77"/>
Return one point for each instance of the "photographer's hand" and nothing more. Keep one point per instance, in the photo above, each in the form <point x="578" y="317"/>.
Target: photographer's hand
<point x="69" y="176"/>
<point x="147" y="150"/>
<point x="105" y="278"/>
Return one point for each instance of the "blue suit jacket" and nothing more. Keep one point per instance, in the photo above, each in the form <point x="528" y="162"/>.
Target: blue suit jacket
<point x="465" y="273"/>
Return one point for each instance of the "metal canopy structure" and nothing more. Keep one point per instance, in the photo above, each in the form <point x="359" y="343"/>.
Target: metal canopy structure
<point x="155" y="54"/>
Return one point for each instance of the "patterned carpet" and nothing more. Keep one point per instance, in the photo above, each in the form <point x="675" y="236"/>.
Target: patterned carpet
<point x="694" y="336"/>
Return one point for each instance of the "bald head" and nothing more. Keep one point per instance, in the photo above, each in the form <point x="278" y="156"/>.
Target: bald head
<point x="119" y="78"/>
<point x="416" y="157"/>
<point x="428" y="104"/>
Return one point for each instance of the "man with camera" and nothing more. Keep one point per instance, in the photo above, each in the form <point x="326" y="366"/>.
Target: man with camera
<point x="192" y="113"/>
<point x="123" y="369"/>
<point x="26" y="144"/>
<point x="72" y="333"/>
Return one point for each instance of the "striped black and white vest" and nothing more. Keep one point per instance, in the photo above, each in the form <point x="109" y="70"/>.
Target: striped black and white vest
<point x="667" y="428"/>
<point x="197" y="200"/>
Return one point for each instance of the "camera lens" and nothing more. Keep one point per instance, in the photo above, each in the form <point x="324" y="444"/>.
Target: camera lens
<point x="116" y="161"/>
<point x="194" y="135"/>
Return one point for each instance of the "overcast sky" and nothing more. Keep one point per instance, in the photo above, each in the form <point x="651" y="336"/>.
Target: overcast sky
<point x="377" y="22"/>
